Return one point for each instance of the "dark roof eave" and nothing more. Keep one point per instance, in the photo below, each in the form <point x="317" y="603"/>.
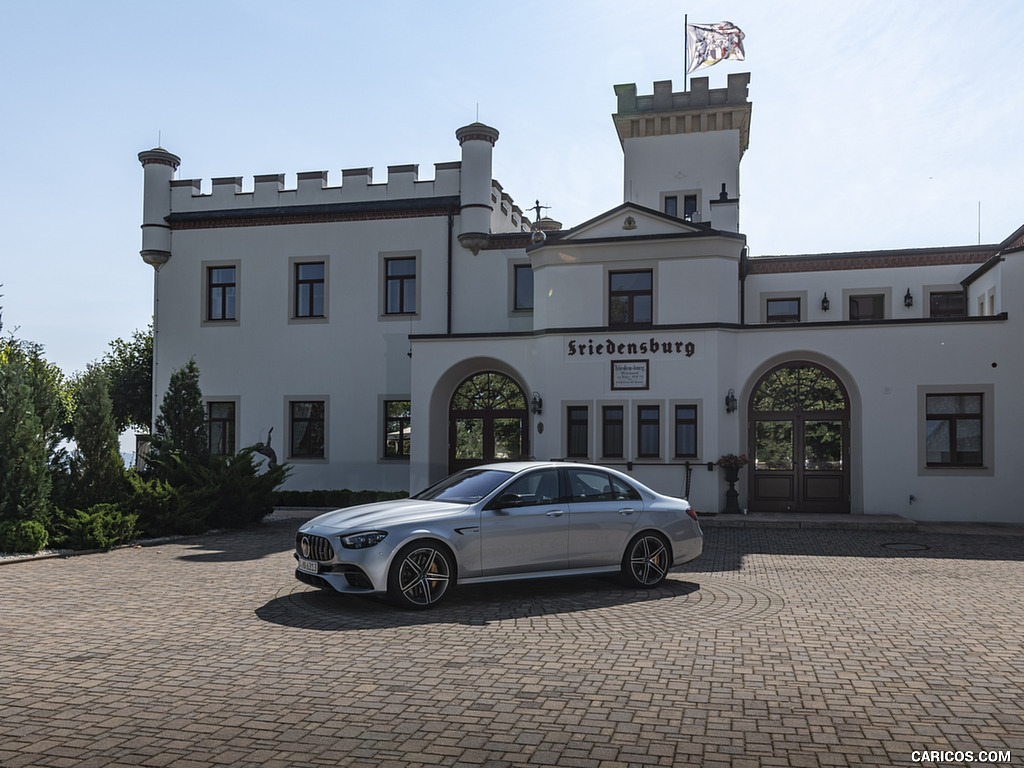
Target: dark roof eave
<point x="380" y="208"/>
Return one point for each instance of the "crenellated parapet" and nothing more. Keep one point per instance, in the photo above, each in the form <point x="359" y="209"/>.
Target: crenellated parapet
<point x="698" y="110"/>
<point x="313" y="188"/>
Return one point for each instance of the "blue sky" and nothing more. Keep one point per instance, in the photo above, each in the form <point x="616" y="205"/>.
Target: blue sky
<point x="875" y="124"/>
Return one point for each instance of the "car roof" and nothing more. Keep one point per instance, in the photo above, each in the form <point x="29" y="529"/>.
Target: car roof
<point x="520" y="466"/>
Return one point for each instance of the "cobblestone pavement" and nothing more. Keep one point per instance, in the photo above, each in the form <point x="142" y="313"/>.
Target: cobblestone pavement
<point x="781" y="647"/>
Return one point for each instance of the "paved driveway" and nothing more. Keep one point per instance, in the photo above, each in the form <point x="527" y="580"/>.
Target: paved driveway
<point x="781" y="647"/>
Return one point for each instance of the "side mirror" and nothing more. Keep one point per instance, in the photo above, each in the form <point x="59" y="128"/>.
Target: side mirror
<point x="506" y="500"/>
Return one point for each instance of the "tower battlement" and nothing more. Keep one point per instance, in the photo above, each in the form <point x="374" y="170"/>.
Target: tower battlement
<point x="312" y="188"/>
<point x="697" y="110"/>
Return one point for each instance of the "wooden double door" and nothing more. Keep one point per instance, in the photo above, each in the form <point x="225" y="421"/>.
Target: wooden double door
<point x="799" y="441"/>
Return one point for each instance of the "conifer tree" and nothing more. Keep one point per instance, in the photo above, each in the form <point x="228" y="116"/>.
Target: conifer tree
<point x="99" y="468"/>
<point x="24" y="479"/>
<point x="181" y="426"/>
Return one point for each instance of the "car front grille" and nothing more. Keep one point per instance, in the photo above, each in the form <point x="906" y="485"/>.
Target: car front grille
<point x="313" y="547"/>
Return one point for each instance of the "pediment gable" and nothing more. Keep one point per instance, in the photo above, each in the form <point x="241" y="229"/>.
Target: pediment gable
<point x="629" y="220"/>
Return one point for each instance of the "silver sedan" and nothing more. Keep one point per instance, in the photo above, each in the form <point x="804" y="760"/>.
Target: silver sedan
<point x="499" y="522"/>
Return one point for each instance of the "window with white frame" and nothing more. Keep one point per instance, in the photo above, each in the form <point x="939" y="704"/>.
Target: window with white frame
<point x="685" y="431"/>
<point x="954" y="429"/>
<point x="308" y="429"/>
<point x="577" y="431"/>
<point x="648" y="431"/>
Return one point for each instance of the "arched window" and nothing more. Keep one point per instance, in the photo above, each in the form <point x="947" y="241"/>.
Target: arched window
<point x="488" y="421"/>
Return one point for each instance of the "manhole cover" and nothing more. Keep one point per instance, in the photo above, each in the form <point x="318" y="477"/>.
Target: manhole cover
<point x="905" y="546"/>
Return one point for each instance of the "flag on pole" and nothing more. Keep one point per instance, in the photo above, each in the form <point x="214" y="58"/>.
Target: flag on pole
<point x="708" y="44"/>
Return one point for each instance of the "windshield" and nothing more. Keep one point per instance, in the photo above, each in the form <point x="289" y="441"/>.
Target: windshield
<point x="465" y="487"/>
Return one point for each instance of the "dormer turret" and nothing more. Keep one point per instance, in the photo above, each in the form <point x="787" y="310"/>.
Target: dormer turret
<point x="477" y="141"/>
<point x="158" y="166"/>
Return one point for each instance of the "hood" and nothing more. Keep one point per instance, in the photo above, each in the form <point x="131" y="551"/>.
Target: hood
<point x="383" y="515"/>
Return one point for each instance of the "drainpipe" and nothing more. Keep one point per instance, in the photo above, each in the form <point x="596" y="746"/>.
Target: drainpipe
<point x="451" y="231"/>
<point x="743" y="285"/>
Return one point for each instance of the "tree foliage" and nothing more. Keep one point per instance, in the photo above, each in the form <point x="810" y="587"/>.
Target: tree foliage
<point x="128" y="366"/>
<point x="181" y="426"/>
<point x="35" y="406"/>
<point x="98" y="467"/>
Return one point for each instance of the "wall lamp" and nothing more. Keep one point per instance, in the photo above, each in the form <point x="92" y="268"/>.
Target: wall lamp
<point x="730" y="401"/>
<point x="908" y="300"/>
<point x="825" y="304"/>
<point x="536" y="404"/>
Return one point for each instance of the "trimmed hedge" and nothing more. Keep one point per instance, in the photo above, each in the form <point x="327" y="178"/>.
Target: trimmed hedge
<point x="334" y="499"/>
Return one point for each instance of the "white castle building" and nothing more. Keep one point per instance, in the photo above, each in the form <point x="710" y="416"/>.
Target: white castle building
<point x="390" y="333"/>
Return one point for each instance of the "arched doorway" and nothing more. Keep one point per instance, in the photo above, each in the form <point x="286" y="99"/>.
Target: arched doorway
<point x="799" y="441"/>
<point x="488" y="421"/>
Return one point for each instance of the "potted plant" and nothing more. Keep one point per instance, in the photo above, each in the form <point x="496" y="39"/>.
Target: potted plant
<point x="732" y="464"/>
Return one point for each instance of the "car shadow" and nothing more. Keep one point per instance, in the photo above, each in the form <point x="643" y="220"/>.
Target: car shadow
<point x="470" y="605"/>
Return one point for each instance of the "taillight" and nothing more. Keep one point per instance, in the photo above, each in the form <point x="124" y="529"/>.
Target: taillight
<point x="690" y="511"/>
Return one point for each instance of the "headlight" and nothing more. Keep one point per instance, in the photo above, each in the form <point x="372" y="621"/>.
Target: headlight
<point x="363" y="540"/>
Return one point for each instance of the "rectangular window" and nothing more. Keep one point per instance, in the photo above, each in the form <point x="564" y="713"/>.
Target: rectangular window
<point x="870" y="307"/>
<point x="309" y="290"/>
<point x="612" y="431"/>
<point x="947" y="304"/>
<point x="782" y="310"/>
<point x="686" y="431"/>
<point x="689" y="207"/>
<point x="631" y="298"/>
<point x="523" y="275"/>
<point x="400" y="288"/>
<point x="648" y="431"/>
<point x="397" y="428"/>
<point x="953" y="430"/>
<point x="672" y="205"/>
<point x="577" y="437"/>
<point x="308" y="429"/>
<point x="221" y="418"/>
<point x="221" y="288"/>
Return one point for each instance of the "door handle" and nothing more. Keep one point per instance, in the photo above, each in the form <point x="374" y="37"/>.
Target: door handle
<point x="555" y="513"/>
<point x="626" y="511"/>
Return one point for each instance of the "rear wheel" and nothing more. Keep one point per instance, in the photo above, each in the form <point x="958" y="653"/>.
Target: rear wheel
<point x="420" y="575"/>
<point x="646" y="561"/>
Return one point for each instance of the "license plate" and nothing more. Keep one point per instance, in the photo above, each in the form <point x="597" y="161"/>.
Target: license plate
<point x="309" y="566"/>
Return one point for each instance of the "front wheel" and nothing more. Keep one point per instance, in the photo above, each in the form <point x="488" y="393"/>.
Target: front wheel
<point x="646" y="561"/>
<point x="420" y="575"/>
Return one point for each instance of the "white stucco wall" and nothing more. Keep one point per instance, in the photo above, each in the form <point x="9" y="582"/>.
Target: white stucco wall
<point x="680" y="164"/>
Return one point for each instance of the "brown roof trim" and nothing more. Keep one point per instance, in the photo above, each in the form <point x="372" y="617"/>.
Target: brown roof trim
<point x="910" y="257"/>
<point x="315" y="214"/>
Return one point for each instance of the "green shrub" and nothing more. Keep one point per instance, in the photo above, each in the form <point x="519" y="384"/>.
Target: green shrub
<point x="102" y="526"/>
<point x="23" y="536"/>
<point x="166" y="510"/>
<point x="242" y="495"/>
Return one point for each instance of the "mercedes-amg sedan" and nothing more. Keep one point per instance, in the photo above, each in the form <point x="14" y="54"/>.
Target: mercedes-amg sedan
<point x="499" y="522"/>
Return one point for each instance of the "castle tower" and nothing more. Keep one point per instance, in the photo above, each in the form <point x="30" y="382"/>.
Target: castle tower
<point x="159" y="166"/>
<point x="681" y="148"/>
<point x="477" y="142"/>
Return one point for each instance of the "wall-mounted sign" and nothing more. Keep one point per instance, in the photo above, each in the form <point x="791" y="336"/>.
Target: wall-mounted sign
<point x="651" y="346"/>
<point x="631" y="374"/>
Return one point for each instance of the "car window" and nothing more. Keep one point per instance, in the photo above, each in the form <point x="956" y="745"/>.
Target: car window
<point x="465" y="487"/>
<point x="593" y="485"/>
<point x="539" y="487"/>
<point x="623" y="491"/>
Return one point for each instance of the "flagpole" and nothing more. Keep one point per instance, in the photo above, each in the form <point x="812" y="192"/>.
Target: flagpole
<point x="686" y="48"/>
